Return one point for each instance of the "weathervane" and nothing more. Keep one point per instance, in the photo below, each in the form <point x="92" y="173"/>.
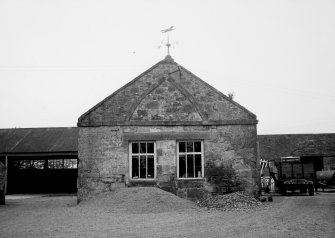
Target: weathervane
<point x="168" y="44"/>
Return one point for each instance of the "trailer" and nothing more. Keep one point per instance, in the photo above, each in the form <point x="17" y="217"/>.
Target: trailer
<point x="296" y="174"/>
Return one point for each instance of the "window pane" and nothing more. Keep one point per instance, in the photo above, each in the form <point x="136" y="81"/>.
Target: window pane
<point x="73" y="163"/>
<point x="50" y="164"/>
<point x="150" y="147"/>
<point x="69" y="164"/>
<point x="37" y="164"/>
<point x="182" y="147"/>
<point x="190" y="166"/>
<point x="189" y="146"/>
<point x="55" y="164"/>
<point x="134" y="148"/>
<point x="197" y="159"/>
<point x="151" y="166"/>
<point x="22" y="164"/>
<point x="182" y="166"/>
<point x="143" y="165"/>
<point x="58" y="164"/>
<point x="135" y="169"/>
<point x="197" y="163"/>
<point x="197" y="146"/>
<point x="198" y="172"/>
<point x="143" y="148"/>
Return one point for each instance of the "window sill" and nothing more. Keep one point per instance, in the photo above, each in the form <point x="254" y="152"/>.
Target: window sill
<point x="202" y="178"/>
<point x="142" y="180"/>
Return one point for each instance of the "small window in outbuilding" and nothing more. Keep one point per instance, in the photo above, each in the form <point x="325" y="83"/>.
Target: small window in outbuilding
<point x="62" y="164"/>
<point x="28" y="164"/>
<point x="142" y="160"/>
<point x="190" y="159"/>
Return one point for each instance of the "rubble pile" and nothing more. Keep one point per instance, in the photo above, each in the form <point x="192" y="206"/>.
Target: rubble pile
<point x="231" y="201"/>
<point x="137" y="200"/>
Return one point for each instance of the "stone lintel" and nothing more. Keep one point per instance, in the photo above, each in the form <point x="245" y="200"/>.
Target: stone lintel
<point x="131" y="136"/>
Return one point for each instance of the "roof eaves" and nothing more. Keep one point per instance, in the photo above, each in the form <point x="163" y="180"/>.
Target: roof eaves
<point x="74" y="152"/>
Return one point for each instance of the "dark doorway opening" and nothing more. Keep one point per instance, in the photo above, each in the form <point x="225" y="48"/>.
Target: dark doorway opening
<point x="316" y="163"/>
<point x="42" y="175"/>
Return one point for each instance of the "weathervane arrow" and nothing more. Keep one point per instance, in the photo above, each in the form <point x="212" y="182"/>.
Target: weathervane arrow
<point x="168" y="40"/>
<point x="167" y="30"/>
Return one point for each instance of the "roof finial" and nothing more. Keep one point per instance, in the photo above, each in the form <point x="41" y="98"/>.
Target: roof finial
<point x="168" y="45"/>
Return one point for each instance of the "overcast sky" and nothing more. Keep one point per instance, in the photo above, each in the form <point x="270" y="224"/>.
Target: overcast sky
<point x="60" y="58"/>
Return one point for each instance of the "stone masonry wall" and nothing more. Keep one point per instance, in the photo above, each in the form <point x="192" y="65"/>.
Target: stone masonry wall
<point x="102" y="160"/>
<point x="165" y="103"/>
<point x="233" y="149"/>
<point x="230" y="158"/>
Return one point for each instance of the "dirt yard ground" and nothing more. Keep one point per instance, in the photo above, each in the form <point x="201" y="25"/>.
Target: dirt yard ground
<point x="153" y="213"/>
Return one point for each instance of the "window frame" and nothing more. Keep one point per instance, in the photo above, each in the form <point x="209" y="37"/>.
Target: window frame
<point x="192" y="153"/>
<point x="139" y="154"/>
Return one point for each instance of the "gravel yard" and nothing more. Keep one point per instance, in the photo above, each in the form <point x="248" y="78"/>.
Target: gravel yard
<point x="150" y="212"/>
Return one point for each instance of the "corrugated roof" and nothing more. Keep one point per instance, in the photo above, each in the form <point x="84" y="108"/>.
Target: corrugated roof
<point x="39" y="140"/>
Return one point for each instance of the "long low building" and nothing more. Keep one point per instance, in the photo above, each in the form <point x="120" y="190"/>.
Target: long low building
<point x="44" y="160"/>
<point x="318" y="148"/>
<point x="40" y="160"/>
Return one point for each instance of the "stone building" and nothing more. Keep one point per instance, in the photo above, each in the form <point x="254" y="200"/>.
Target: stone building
<point x="170" y="129"/>
<point x="39" y="160"/>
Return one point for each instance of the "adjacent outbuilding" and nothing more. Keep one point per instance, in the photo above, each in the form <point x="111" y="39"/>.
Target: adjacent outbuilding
<point x="39" y="160"/>
<point x="317" y="150"/>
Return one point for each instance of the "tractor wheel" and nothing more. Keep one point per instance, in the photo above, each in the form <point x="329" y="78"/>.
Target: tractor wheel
<point x="310" y="191"/>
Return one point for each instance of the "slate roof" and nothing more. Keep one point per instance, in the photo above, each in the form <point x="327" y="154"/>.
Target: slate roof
<point x="167" y="94"/>
<point x="38" y="140"/>
<point x="272" y="147"/>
